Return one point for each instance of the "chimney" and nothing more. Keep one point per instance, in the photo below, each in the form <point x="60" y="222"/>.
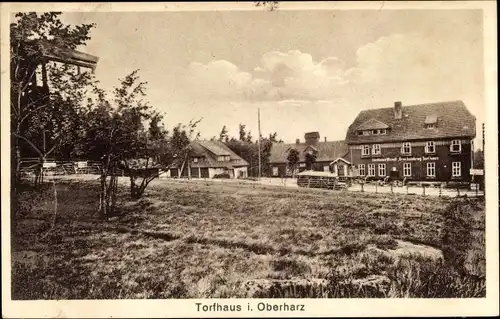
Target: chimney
<point x="398" y="112"/>
<point x="311" y="138"/>
<point x="297" y="141"/>
<point x="325" y="138"/>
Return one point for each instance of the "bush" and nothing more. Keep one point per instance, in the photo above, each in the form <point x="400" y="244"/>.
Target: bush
<point x="222" y="175"/>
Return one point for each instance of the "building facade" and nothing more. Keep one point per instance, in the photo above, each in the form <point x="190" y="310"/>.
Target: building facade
<point x="328" y="156"/>
<point x="427" y="142"/>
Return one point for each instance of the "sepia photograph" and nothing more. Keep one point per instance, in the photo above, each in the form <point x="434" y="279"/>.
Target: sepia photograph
<point x="248" y="159"/>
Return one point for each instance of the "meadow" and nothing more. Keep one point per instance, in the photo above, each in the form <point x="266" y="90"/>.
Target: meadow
<point x="209" y="240"/>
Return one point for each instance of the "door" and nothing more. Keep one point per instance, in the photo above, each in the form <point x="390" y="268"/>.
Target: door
<point x="394" y="174"/>
<point x="341" y="169"/>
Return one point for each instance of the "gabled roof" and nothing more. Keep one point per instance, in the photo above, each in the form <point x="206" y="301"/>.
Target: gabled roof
<point x="372" y="124"/>
<point x="340" y="159"/>
<point x="215" y="147"/>
<point x="326" y="151"/>
<point x="207" y="151"/>
<point x="453" y="121"/>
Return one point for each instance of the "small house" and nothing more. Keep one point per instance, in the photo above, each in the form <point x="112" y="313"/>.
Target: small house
<point x="313" y="154"/>
<point x="209" y="159"/>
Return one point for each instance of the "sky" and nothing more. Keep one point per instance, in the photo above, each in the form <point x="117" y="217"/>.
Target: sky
<point x="304" y="70"/>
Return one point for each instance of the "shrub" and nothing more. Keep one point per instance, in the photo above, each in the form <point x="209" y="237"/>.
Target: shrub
<point x="222" y="175"/>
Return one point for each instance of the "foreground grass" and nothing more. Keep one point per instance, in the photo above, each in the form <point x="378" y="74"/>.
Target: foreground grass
<point x="209" y="240"/>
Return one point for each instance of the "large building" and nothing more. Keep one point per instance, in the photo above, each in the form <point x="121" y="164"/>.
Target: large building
<point x="207" y="159"/>
<point x="427" y="142"/>
<point x="328" y="156"/>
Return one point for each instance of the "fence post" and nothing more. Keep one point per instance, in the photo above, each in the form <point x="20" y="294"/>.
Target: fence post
<point x="407" y="188"/>
<point x="423" y="188"/>
<point x="440" y="186"/>
<point x="458" y="191"/>
<point x="362" y="187"/>
<point x="376" y="187"/>
<point x="477" y="186"/>
<point x="392" y="188"/>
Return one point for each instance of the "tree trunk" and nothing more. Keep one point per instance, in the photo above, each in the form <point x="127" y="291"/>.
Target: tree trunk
<point x="102" y="198"/>
<point x="134" y="190"/>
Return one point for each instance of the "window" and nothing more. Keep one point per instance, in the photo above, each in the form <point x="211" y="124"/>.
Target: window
<point x="361" y="168"/>
<point x="430" y="147"/>
<point x="302" y="165"/>
<point x="456" y="169"/>
<point x="430" y="125"/>
<point x="366" y="132"/>
<point x="326" y="168"/>
<point x="407" y="169"/>
<point x="366" y="150"/>
<point x="406" y="148"/>
<point x="381" y="170"/>
<point x="375" y="132"/>
<point x="275" y="171"/>
<point x="360" y="132"/>
<point x="223" y="158"/>
<point x="371" y="169"/>
<point x="376" y="149"/>
<point x="455" y="146"/>
<point x="431" y="169"/>
<point x="383" y="131"/>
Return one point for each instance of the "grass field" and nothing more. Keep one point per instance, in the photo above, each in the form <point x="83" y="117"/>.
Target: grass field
<point x="202" y="240"/>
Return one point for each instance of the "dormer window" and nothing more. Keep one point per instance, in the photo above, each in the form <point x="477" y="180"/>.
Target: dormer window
<point x="360" y="132"/>
<point x="406" y="148"/>
<point x="223" y="158"/>
<point x="195" y="159"/>
<point x="366" y="133"/>
<point x="456" y="146"/>
<point x="430" y="121"/>
<point x="383" y="131"/>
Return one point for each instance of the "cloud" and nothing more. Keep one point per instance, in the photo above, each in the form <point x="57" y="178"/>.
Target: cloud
<point x="219" y="80"/>
<point x="410" y="67"/>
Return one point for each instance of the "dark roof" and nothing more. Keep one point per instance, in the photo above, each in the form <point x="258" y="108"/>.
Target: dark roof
<point x="327" y="151"/>
<point x="216" y="147"/>
<point x="372" y="124"/>
<point x="208" y="152"/>
<point x="453" y="121"/>
<point x="68" y="56"/>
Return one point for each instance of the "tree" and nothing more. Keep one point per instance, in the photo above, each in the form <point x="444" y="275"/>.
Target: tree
<point x="223" y="137"/>
<point x="243" y="133"/>
<point x="292" y="160"/>
<point x="479" y="159"/>
<point x="180" y="144"/>
<point x="310" y="159"/>
<point x="115" y="135"/>
<point x="266" y="146"/>
<point x="247" y="149"/>
<point x="39" y="114"/>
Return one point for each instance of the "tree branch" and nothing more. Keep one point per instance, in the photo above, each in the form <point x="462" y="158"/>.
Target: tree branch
<point x="32" y="111"/>
<point x="29" y="142"/>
